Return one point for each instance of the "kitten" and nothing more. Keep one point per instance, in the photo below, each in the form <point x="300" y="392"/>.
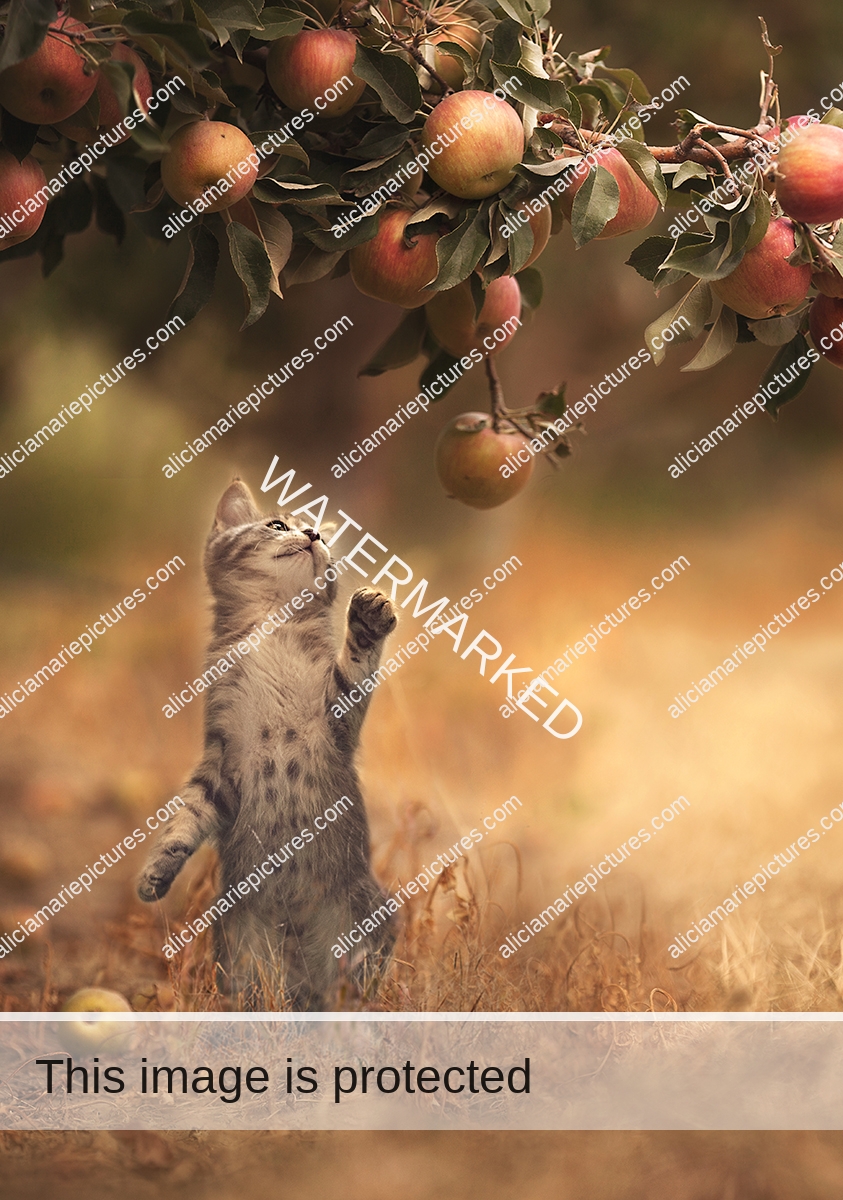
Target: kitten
<point x="275" y="758"/>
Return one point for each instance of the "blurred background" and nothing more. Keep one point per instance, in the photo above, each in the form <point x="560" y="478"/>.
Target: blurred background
<point x="90" y="515"/>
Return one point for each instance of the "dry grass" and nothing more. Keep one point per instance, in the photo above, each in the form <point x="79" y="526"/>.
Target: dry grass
<point x="90" y="756"/>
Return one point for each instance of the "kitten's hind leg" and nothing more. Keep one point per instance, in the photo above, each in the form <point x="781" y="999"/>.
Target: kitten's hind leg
<point x="192" y="825"/>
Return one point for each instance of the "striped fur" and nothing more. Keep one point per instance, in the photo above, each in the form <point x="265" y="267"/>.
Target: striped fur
<point x="275" y="758"/>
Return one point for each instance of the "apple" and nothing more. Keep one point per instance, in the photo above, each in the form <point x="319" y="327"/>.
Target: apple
<point x="19" y="182"/>
<point x="809" y="175"/>
<point x="304" y="68"/>
<point x="637" y="206"/>
<point x="461" y="33"/>
<point x="390" y="269"/>
<point x="481" y="140"/>
<point x="830" y="283"/>
<point x="78" y="129"/>
<point x="827" y="316"/>
<point x="203" y="153"/>
<point x="469" y="454"/>
<point x="764" y="284"/>
<point x="53" y="82"/>
<point x="91" y="1034"/>
<point x="541" y="223"/>
<point x="452" y="321"/>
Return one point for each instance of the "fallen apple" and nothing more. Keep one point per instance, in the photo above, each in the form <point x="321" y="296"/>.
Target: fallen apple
<point x="93" y="1034"/>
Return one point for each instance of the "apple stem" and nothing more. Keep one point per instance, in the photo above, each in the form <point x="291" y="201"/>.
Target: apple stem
<point x="499" y="410"/>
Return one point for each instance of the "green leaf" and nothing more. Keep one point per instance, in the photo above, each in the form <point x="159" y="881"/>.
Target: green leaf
<point x="553" y="402"/>
<point x="277" y="234"/>
<point x="833" y="117"/>
<point x="278" y="22"/>
<point x="295" y="189"/>
<point x="442" y="362"/>
<point x="227" y="15"/>
<point x="689" y="170"/>
<point x="647" y="258"/>
<point x="403" y="345"/>
<point x="393" y="79"/>
<point x="26" y="28"/>
<point x="251" y="262"/>
<point x="633" y="84"/>
<point x="380" y="142"/>
<point x="455" y="50"/>
<point x="181" y="39"/>
<point x="197" y="287"/>
<point x="777" y="331"/>
<point x="459" y="252"/>
<point x="531" y="283"/>
<point x="363" y="231"/>
<point x="787" y="357"/>
<point x="308" y="263"/>
<point x="721" y="341"/>
<point x="763" y="212"/>
<point x="645" y="167"/>
<point x="506" y="42"/>
<point x="520" y="245"/>
<point x="686" y="320"/>
<point x="549" y="95"/>
<point x="595" y="204"/>
<point x="518" y="10"/>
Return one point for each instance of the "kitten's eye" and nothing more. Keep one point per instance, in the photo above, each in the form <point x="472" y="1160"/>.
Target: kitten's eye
<point x="276" y="524"/>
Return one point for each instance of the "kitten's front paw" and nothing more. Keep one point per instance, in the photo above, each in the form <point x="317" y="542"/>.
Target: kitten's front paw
<point x="152" y="887"/>
<point x="155" y="881"/>
<point x="370" y="617"/>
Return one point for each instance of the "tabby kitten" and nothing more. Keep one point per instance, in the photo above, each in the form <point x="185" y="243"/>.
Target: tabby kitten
<point x="275" y="758"/>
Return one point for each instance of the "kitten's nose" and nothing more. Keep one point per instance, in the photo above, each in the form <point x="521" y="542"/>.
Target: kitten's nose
<point x="312" y="534"/>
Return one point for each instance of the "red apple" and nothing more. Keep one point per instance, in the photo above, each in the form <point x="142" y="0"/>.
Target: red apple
<point x="809" y="175"/>
<point x="637" y="206"/>
<point x="764" y="284"/>
<point x="830" y="283"/>
<point x="827" y="320"/>
<point x="470" y="458"/>
<point x="461" y="33"/>
<point x="78" y="129"/>
<point x="541" y="223"/>
<point x="450" y="315"/>
<point x="480" y="140"/>
<point x="304" y="69"/>
<point x="390" y="269"/>
<point x="52" y="83"/>
<point x="19" y="182"/>
<point x="203" y="153"/>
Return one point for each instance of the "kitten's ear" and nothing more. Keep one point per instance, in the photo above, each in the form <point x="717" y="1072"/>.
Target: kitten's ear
<point x="236" y="507"/>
